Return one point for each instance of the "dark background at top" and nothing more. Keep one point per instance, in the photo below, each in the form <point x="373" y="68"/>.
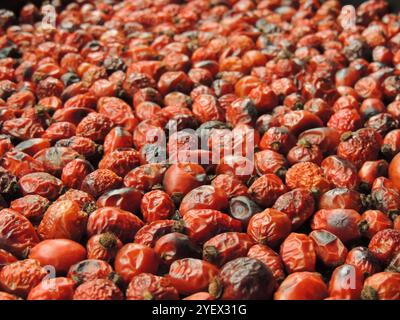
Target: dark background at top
<point x="16" y="5"/>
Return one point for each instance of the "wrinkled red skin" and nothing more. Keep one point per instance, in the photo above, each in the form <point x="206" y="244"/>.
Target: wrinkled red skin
<point x="110" y="219"/>
<point x="266" y="189"/>
<point x="363" y="260"/>
<point x="302" y="286"/>
<point x="85" y="110"/>
<point x="381" y="286"/>
<point x="230" y="185"/>
<point x="327" y="139"/>
<point x="341" y="198"/>
<point x="150" y="233"/>
<point x="133" y="259"/>
<point x="120" y="161"/>
<point x="63" y="220"/>
<point x="103" y="246"/>
<point x="299" y="121"/>
<point x="302" y="153"/>
<point x="99" y="289"/>
<point x="341" y="276"/>
<point x="239" y="166"/>
<point x="90" y="269"/>
<point x="80" y="197"/>
<point x="385" y="195"/>
<point x="298" y="204"/>
<point x="202" y="224"/>
<point x="270" y="258"/>
<point x="31" y="206"/>
<point x="94" y="126"/>
<point x="340" y="172"/>
<point x="20" y="164"/>
<point x="117" y="138"/>
<point x="226" y="247"/>
<point x="269" y="161"/>
<point x="41" y="183"/>
<point x="75" y="172"/>
<point x="7" y="296"/>
<point x="385" y="244"/>
<point x="278" y="139"/>
<point x="84" y="146"/>
<point x="362" y="145"/>
<point x="341" y="222"/>
<point x="22" y="128"/>
<point x="54" y="159"/>
<point x="203" y="197"/>
<point x="298" y="253"/>
<point x="21" y="276"/>
<point x="53" y="289"/>
<point x="146" y="286"/>
<point x="190" y="275"/>
<point x="33" y="146"/>
<point x="17" y="234"/>
<point x="100" y="181"/>
<point x="329" y="249"/>
<point x="145" y="177"/>
<point x="374" y="221"/>
<point x="156" y="205"/>
<point x="269" y="227"/>
<point x="391" y="143"/>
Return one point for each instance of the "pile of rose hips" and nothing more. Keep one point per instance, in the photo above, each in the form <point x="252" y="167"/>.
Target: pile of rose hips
<point x="101" y="116"/>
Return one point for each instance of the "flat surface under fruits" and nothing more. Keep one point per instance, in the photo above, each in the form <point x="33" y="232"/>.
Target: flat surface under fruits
<point x="200" y="150"/>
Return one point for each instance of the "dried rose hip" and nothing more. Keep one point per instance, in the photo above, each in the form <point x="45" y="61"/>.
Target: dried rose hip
<point x="17" y="234"/>
<point x="302" y="286"/>
<point x="385" y="244"/>
<point x="190" y="275"/>
<point x="363" y="260"/>
<point x="156" y="205"/>
<point x="111" y="219"/>
<point x="329" y="249"/>
<point x="225" y="247"/>
<point x="100" y="181"/>
<point x="346" y="283"/>
<point x="103" y="246"/>
<point x="269" y="227"/>
<point x="63" y="220"/>
<point x="59" y="288"/>
<point x="243" y="278"/>
<point x="42" y="184"/>
<point x="270" y="258"/>
<point x="298" y="253"/>
<point x="174" y="246"/>
<point x="21" y="276"/>
<point x="381" y="286"/>
<point x="90" y="269"/>
<point x="99" y="289"/>
<point x="59" y="253"/>
<point x="341" y="222"/>
<point x="298" y="205"/>
<point x="146" y="286"/>
<point x="133" y="259"/>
